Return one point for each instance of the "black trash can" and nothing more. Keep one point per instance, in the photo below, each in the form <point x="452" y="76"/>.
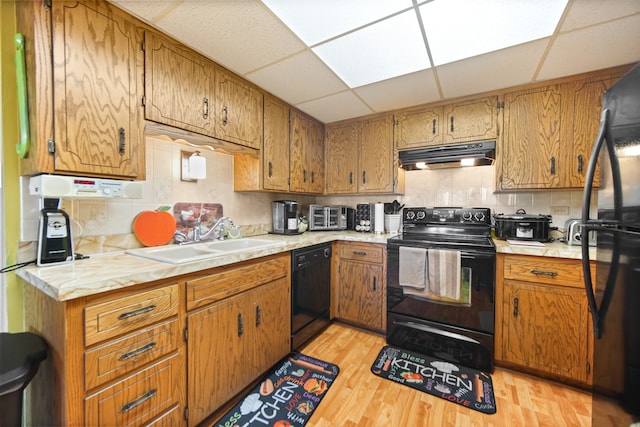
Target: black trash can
<point x="20" y="357"/>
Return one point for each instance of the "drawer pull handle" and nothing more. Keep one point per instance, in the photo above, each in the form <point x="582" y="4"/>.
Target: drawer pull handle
<point x="375" y="280"/>
<point x="240" y="325"/>
<point x="544" y="273"/>
<point x="137" y="312"/>
<point x="515" y="307"/>
<point x="138" y="401"/>
<point x="361" y="253"/>
<point x="133" y="353"/>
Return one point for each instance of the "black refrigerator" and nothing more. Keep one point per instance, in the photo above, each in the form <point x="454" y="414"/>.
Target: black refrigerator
<point x="613" y="292"/>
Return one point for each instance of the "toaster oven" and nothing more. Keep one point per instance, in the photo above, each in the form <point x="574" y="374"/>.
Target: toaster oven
<point x="327" y="217"/>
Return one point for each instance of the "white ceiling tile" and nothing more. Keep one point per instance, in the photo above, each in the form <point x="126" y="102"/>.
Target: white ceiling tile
<point x="404" y="91"/>
<point x="299" y="78"/>
<point x="242" y="35"/>
<point x="336" y="107"/>
<point x="315" y="21"/>
<point x="590" y="12"/>
<point x="504" y="68"/>
<point x="386" y="49"/>
<point x="146" y="10"/>
<point x="594" y="48"/>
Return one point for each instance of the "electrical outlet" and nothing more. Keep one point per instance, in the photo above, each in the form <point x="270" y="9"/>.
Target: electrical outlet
<point x="559" y="210"/>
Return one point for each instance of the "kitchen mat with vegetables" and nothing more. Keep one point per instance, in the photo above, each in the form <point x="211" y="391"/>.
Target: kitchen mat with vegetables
<point x="458" y="384"/>
<point x="286" y="397"/>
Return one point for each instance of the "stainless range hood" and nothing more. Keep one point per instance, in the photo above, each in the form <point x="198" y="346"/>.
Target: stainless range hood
<point x="449" y="156"/>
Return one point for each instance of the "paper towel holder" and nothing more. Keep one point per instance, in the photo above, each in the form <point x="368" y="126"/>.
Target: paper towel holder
<point x="193" y="166"/>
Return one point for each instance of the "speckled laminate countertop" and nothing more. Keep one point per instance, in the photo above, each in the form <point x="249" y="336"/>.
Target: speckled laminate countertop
<point x="106" y="272"/>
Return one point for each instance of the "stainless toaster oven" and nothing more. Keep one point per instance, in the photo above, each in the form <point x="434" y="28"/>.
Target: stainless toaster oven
<point x="327" y="217"/>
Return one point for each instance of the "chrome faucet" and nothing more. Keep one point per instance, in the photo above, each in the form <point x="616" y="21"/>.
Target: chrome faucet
<point x="217" y="230"/>
<point x="219" y="226"/>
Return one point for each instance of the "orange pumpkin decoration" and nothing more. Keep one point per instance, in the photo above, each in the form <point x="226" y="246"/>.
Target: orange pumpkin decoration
<point x="154" y="228"/>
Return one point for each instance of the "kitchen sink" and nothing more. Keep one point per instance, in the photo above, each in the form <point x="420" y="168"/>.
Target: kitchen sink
<point x="175" y="254"/>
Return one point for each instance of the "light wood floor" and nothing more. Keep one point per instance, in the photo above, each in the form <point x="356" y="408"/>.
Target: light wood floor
<point x="359" y="398"/>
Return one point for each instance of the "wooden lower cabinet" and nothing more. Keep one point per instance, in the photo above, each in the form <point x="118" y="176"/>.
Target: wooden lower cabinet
<point x="234" y="340"/>
<point x="543" y="318"/>
<point x="359" y="284"/>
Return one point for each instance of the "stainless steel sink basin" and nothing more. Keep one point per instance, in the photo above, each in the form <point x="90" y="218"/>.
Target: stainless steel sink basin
<point x="199" y="251"/>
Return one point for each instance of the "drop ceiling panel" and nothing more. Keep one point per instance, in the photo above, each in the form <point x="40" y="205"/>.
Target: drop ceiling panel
<point x="594" y="48"/>
<point x="242" y="35"/>
<point x="589" y="12"/>
<point x="146" y="10"/>
<point x="336" y="107"/>
<point x="404" y="91"/>
<point x="315" y="21"/>
<point x="300" y="78"/>
<point x="496" y="70"/>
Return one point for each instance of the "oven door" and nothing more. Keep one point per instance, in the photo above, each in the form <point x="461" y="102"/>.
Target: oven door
<point x="477" y="310"/>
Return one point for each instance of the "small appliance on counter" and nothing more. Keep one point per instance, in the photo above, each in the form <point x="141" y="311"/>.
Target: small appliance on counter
<point x="327" y="217"/>
<point x="365" y="217"/>
<point x="522" y="226"/>
<point x="55" y="245"/>
<point x="575" y="230"/>
<point x="285" y="217"/>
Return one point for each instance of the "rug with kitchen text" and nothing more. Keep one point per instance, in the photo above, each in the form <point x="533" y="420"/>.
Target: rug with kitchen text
<point x="285" y="397"/>
<point x="458" y="384"/>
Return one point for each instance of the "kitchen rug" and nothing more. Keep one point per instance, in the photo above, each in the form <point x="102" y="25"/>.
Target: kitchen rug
<point x="286" y="397"/>
<point x="458" y="384"/>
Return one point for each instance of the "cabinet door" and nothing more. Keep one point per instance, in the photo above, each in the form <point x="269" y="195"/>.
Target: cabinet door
<point x="272" y="321"/>
<point x="217" y="355"/>
<point x="97" y="71"/>
<point x="376" y="156"/>
<point x="307" y="154"/>
<point x="342" y="158"/>
<point x="361" y="294"/>
<point x="471" y="121"/>
<point x="239" y="110"/>
<point x="546" y="329"/>
<point x="275" y="153"/>
<point x="587" y="106"/>
<point x="171" y="97"/>
<point x="418" y="128"/>
<point x="533" y="123"/>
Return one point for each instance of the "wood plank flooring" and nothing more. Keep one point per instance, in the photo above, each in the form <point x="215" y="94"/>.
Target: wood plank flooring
<point x="359" y="398"/>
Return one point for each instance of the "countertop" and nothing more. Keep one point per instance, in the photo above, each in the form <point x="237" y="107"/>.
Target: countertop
<point x="106" y="272"/>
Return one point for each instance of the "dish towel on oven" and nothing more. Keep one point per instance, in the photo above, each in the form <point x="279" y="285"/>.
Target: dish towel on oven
<point x="412" y="267"/>
<point x="444" y="273"/>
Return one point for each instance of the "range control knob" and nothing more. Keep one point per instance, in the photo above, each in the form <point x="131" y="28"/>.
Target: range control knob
<point x="421" y="214"/>
<point x="466" y="215"/>
<point x="479" y="216"/>
<point x="411" y="214"/>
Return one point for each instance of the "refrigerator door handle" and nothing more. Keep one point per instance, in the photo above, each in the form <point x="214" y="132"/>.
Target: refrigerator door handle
<point x="598" y="314"/>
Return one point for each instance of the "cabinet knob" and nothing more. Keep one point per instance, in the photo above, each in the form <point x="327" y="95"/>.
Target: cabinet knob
<point x="225" y="117"/>
<point x="240" y="325"/>
<point x="580" y="163"/>
<point x="452" y="127"/>
<point x="122" y="141"/>
<point x="433" y="128"/>
<point x="515" y="307"/>
<point x="552" y="167"/>
<point x="205" y="105"/>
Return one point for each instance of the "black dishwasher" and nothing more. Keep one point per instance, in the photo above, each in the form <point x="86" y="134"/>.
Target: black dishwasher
<point x="310" y="292"/>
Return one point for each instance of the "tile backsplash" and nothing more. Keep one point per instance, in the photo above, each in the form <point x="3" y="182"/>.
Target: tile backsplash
<point x="105" y="224"/>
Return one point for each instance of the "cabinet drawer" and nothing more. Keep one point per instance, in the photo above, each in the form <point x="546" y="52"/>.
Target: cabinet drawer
<point x="137" y="399"/>
<point x="108" y="319"/>
<point x="174" y="417"/>
<point x="361" y="252"/>
<point x="226" y="281"/>
<point x="552" y="271"/>
<point x="128" y="353"/>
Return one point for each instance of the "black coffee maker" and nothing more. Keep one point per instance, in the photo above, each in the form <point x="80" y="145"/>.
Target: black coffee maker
<point x="55" y="245"/>
<point x="285" y="216"/>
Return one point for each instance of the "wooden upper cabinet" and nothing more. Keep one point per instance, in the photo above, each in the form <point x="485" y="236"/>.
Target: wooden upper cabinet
<point x="533" y="132"/>
<point x="474" y="120"/>
<point x="84" y="79"/>
<point x="306" y="161"/>
<point x="342" y="158"/>
<point x="587" y="107"/>
<point x="172" y="98"/>
<point x="418" y="128"/>
<point x="275" y="152"/>
<point x="376" y="156"/>
<point x="239" y="110"/>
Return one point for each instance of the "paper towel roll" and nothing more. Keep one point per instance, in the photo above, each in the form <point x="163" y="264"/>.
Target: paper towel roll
<point x="378" y="226"/>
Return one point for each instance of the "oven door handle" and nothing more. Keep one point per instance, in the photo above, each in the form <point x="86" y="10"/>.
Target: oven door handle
<point x="437" y="331"/>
